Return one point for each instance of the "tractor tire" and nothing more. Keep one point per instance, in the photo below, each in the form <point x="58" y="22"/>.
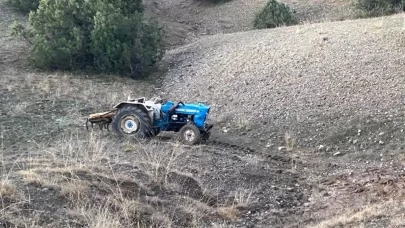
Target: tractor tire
<point x="189" y="134"/>
<point x="132" y="122"/>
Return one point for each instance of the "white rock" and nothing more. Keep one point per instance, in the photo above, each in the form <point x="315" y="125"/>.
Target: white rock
<point x="321" y="147"/>
<point x="337" y="154"/>
<point x="280" y="148"/>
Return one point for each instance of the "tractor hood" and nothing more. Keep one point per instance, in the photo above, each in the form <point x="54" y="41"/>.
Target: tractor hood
<point x="188" y="108"/>
<point x="194" y="108"/>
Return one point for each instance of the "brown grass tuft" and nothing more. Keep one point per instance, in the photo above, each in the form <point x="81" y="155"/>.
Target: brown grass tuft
<point x="101" y="217"/>
<point x="368" y="212"/>
<point x="7" y="189"/>
<point x="76" y="191"/>
<point x="32" y="177"/>
<point x="228" y="213"/>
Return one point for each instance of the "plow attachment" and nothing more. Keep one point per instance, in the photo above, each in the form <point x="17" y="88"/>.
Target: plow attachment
<point x="102" y="119"/>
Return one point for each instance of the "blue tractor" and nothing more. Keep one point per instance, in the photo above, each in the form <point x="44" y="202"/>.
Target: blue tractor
<point x="141" y="118"/>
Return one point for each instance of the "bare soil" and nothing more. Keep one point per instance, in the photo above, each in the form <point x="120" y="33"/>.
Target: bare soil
<point x="325" y="84"/>
<point x="189" y="20"/>
<point x="328" y="95"/>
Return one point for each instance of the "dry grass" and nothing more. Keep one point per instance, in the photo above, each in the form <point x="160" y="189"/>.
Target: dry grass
<point x="398" y="220"/>
<point x="101" y="217"/>
<point x="7" y="189"/>
<point x="228" y="213"/>
<point x="243" y="196"/>
<point x="31" y="177"/>
<point x="76" y="191"/>
<point x="87" y="171"/>
<point x="391" y="209"/>
<point x="156" y="157"/>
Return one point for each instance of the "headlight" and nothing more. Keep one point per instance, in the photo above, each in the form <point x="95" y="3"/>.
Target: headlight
<point x="174" y="117"/>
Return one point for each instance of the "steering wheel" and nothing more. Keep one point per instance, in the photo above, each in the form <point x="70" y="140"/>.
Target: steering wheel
<point x="175" y="106"/>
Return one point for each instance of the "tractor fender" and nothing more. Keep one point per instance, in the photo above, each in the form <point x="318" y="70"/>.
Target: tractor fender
<point x="147" y="108"/>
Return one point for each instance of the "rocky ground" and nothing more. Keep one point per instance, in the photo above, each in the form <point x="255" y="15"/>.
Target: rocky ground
<point x="325" y="84"/>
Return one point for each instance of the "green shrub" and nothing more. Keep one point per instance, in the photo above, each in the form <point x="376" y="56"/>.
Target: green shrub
<point x="380" y="7"/>
<point x="101" y="35"/>
<point x="24" y="6"/>
<point x="274" y="14"/>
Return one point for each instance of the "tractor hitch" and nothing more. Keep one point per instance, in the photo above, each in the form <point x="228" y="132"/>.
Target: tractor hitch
<point x="102" y="119"/>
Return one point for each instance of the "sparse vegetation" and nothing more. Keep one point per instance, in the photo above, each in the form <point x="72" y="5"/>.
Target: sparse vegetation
<point x="380" y="7"/>
<point x="7" y="189"/>
<point x="274" y="14"/>
<point x="360" y="217"/>
<point x="101" y="36"/>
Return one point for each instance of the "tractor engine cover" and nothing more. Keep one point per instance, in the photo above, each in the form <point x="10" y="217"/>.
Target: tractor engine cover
<point x="196" y="113"/>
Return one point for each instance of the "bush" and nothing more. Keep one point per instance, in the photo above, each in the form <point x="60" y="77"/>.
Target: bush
<point x="100" y="35"/>
<point x="274" y="14"/>
<point x="24" y="6"/>
<point x="380" y="7"/>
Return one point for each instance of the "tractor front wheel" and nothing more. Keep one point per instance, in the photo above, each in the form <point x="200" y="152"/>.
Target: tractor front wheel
<point x="131" y="121"/>
<point x="189" y="134"/>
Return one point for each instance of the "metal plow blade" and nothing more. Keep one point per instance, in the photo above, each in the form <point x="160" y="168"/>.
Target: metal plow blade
<point x="102" y="119"/>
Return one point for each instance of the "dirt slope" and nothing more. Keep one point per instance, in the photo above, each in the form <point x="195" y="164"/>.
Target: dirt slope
<point x="322" y="82"/>
<point x="188" y="20"/>
<point x="53" y="173"/>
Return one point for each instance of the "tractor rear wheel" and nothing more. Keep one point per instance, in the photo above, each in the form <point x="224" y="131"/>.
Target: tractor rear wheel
<point x="131" y="121"/>
<point x="189" y="134"/>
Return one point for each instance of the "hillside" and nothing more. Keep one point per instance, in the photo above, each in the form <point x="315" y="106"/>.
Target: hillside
<point x="320" y="82"/>
<point x="309" y="127"/>
<point x="54" y="173"/>
<point x="188" y="20"/>
<point x="328" y="95"/>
